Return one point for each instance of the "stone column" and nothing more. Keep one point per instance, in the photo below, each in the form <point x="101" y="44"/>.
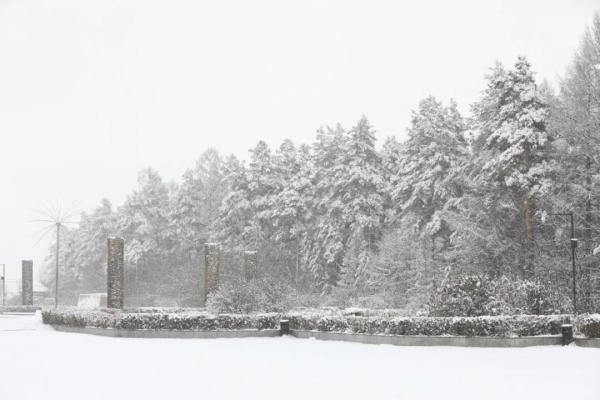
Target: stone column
<point x="212" y="255"/>
<point x="115" y="272"/>
<point x="250" y="263"/>
<point x="27" y="282"/>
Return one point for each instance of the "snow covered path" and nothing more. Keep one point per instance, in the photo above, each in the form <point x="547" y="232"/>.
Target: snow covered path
<point x="38" y="363"/>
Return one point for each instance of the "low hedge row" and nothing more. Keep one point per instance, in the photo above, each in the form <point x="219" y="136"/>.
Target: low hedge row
<point x="506" y="326"/>
<point x="499" y="326"/>
<point x="20" y="309"/>
<point x="198" y="321"/>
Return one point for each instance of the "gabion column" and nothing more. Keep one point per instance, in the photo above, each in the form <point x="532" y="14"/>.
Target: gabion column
<point x="27" y="282"/>
<point x="250" y="263"/>
<point x="212" y="255"/>
<point x="115" y="272"/>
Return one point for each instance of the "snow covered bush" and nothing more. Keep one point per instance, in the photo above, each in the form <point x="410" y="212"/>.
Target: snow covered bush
<point x="257" y="295"/>
<point x="475" y="295"/>
<point x="589" y="325"/>
<point x="466" y="295"/>
<point x="518" y="296"/>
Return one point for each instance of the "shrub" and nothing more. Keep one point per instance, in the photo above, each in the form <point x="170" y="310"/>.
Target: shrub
<point x="589" y="325"/>
<point x="467" y="295"/>
<point x="244" y="297"/>
<point x="475" y="295"/>
<point x="530" y="297"/>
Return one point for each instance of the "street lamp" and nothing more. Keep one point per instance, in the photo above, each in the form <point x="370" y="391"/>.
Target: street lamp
<point x="56" y="218"/>
<point x="574" y="243"/>
<point x="3" y="284"/>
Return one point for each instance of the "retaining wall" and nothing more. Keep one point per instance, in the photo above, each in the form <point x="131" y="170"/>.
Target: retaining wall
<point x="461" y="341"/>
<point x="166" y="334"/>
<point x="456" y="341"/>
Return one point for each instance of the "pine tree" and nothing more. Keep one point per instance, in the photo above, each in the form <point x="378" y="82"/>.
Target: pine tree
<point x="325" y="246"/>
<point x="576" y="120"/>
<point x="143" y="222"/>
<point x="513" y="142"/>
<point x="350" y="203"/>
<point x="292" y="208"/>
<point x="425" y="178"/>
<point x="233" y="226"/>
<point x="197" y="201"/>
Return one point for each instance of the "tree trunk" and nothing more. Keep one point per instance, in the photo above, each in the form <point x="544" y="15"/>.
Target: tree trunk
<point x="529" y="213"/>
<point x="587" y="233"/>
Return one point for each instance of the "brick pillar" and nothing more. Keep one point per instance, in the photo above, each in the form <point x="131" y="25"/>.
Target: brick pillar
<point x="115" y="272"/>
<point x="27" y="282"/>
<point x="250" y="263"/>
<point x="212" y="255"/>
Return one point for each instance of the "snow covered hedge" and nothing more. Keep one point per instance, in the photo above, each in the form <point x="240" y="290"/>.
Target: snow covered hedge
<point x="328" y="321"/>
<point x="160" y="320"/>
<point x="588" y="325"/>
<point x="23" y="309"/>
<point x="522" y="325"/>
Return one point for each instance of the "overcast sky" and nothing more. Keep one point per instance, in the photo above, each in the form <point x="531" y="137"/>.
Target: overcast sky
<point x="93" y="91"/>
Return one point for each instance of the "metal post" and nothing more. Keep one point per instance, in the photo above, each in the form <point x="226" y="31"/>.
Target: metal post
<point x="573" y="241"/>
<point x="56" y="278"/>
<point x="573" y="247"/>
<point x="3" y="285"/>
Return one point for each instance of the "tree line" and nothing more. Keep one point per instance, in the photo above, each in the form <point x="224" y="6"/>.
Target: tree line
<point x="343" y="221"/>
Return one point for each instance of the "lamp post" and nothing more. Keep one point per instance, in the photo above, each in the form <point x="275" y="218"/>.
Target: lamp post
<point x="58" y="224"/>
<point x="3" y="285"/>
<point x="573" y="241"/>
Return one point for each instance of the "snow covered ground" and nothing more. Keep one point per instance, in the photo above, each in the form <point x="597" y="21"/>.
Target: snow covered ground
<point x="39" y="363"/>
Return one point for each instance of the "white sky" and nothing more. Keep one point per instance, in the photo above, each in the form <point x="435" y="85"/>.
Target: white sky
<point x="93" y="91"/>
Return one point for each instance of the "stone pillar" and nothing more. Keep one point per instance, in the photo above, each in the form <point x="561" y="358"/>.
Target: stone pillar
<point x="115" y="272"/>
<point x="27" y="282"/>
<point x="250" y="263"/>
<point x="212" y="255"/>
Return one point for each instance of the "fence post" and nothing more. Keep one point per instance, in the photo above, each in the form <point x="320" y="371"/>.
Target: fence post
<point x="115" y="272"/>
<point x="27" y="282"/>
<point x="212" y="256"/>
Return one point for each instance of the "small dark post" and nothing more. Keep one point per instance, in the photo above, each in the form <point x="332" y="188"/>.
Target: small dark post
<point x="573" y="255"/>
<point x="567" y="334"/>
<point x="250" y="263"/>
<point x="3" y="284"/>
<point x="284" y="327"/>
<point x="27" y="282"/>
<point x="115" y="272"/>
<point x="212" y="255"/>
<point x="573" y="249"/>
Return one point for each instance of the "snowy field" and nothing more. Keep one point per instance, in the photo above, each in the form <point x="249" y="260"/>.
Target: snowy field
<point x="39" y="363"/>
